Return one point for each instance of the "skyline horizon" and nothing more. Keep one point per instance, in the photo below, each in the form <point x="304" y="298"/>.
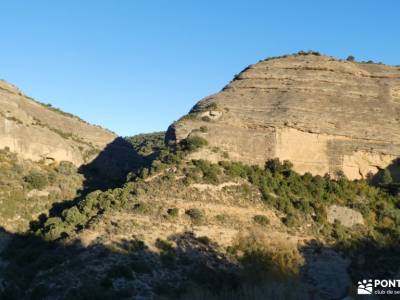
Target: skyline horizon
<point x="194" y="103"/>
<point x="135" y="67"/>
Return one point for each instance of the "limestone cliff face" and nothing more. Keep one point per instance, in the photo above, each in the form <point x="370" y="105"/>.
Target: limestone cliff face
<point x="322" y="114"/>
<point x="37" y="132"/>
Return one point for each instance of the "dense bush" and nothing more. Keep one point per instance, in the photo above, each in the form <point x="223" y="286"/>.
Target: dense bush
<point x="386" y="177"/>
<point x="147" y="143"/>
<point x="74" y="217"/>
<point x="261" y="220"/>
<point x="36" y="180"/>
<point x="66" y="168"/>
<point x="163" y="245"/>
<point x="54" y="228"/>
<point x="209" y="170"/>
<point x="235" y="169"/>
<point x="192" y="143"/>
<point x="302" y="196"/>
<point x="173" y="212"/>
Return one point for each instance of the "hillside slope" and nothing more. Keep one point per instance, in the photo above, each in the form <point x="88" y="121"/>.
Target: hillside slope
<point x="190" y="229"/>
<point x="323" y="114"/>
<point x="187" y="219"/>
<point x="40" y="132"/>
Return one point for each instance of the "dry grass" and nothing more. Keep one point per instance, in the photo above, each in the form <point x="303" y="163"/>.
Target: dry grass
<point x="264" y="256"/>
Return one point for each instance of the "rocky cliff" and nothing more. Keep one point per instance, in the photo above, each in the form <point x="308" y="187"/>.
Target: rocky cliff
<point x="323" y="114"/>
<point x="40" y="132"/>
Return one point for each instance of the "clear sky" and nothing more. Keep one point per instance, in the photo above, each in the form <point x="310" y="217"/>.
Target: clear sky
<point x="137" y="65"/>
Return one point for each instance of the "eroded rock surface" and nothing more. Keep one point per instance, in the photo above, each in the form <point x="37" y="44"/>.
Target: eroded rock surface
<point x="346" y="216"/>
<point x="322" y="114"/>
<point x="39" y="132"/>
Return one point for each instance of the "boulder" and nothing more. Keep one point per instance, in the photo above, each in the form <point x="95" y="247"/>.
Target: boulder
<point x="346" y="216"/>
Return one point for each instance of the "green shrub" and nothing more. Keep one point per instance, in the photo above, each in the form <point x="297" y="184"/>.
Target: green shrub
<point x="89" y="206"/>
<point x="203" y="129"/>
<point x="209" y="170"/>
<point x="301" y="196"/>
<point x="146" y="144"/>
<point x="261" y="220"/>
<point x="54" y="228"/>
<point x="339" y="231"/>
<point x="235" y="169"/>
<point x="163" y="245"/>
<point x="292" y="220"/>
<point x="169" y="158"/>
<point x="193" y="143"/>
<point x="173" y="212"/>
<point x="309" y="52"/>
<point x="386" y="177"/>
<point x="223" y="218"/>
<point x="74" y="217"/>
<point x="275" y="166"/>
<point x="36" y="180"/>
<point x="66" y="168"/>
<point x="195" y="214"/>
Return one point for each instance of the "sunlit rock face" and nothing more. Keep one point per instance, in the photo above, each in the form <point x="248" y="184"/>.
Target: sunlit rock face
<point x="39" y="132"/>
<point x="323" y="114"/>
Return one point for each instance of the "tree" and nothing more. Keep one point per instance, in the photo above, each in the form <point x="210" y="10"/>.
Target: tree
<point x="351" y="58"/>
<point x="36" y="180"/>
<point x="386" y="177"/>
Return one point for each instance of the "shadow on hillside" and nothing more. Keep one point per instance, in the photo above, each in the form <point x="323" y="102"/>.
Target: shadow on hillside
<point x="40" y="269"/>
<point x="193" y="269"/>
<point x="334" y="271"/>
<point x="394" y="171"/>
<point x="110" y="168"/>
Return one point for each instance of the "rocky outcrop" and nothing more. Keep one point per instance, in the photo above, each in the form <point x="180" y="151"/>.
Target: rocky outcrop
<point x="323" y="114"/>
<point x="39" y="132"/>
<point x="346" y="216"/>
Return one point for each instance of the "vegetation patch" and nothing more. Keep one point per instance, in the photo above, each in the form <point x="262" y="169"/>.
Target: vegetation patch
<point x="148" y="143"/>
<point x="196" y="215"/>
<point x="261" y="220"/>
<point x="36" y="180"/>
<point x="193" y="143"/>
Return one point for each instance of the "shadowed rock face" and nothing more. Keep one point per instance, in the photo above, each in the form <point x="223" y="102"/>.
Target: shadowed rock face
<point x="322" y="114"/>
<point x="36" y="131"/>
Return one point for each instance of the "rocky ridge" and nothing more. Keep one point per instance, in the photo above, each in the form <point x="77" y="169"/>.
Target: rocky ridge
<point x="40" y="132"/>
<point x="323" y="114"/>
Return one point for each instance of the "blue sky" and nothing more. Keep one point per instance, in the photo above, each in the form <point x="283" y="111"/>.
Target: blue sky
<point x="136" y="66"/>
